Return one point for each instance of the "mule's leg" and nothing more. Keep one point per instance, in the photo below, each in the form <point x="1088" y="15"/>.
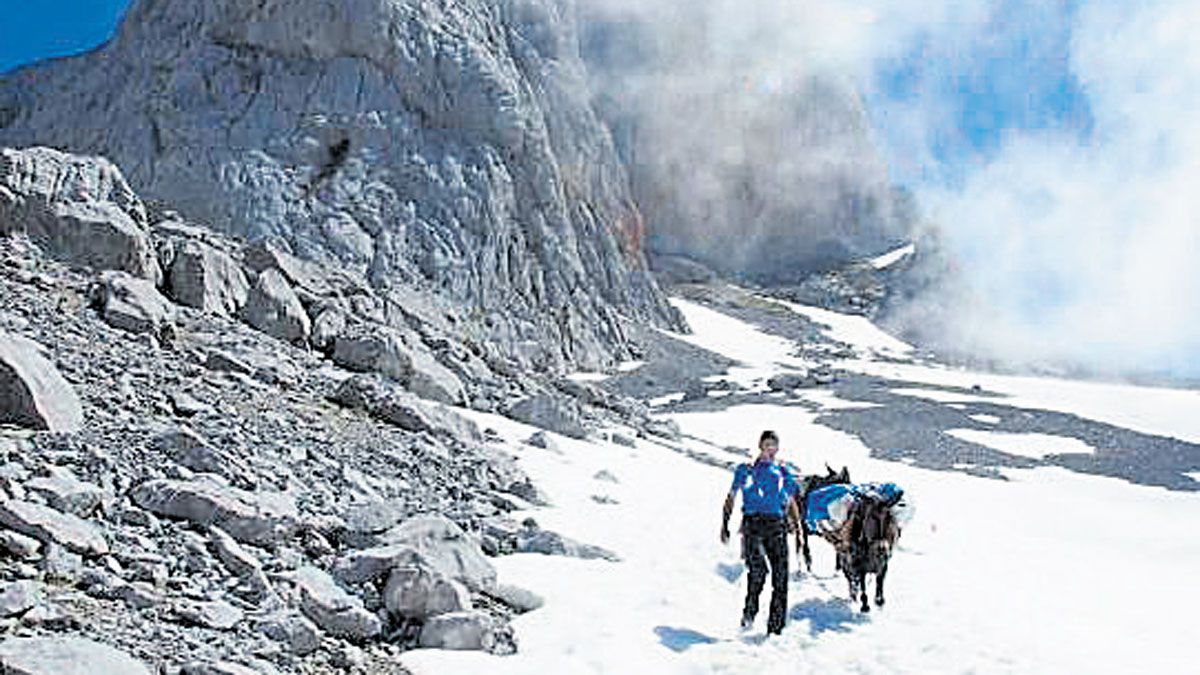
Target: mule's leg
<point x="804" y="548"/>
<point x="879" y="584"/>
<point x="862" y="592"/>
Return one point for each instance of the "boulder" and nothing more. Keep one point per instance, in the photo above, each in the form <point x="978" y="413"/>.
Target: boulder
<point x="19" y="597"/>
<point x="328" y="323"/>
<point x="261" y="519"/>
<point x="535" y="540"/>
<point x="460" y="630"/>
<point x="33" y="393"/>
<point x="264" y="255"/>
<point x="18" y="545"/>
<point x="65" y="655"/>
<point x="218" y="615"/>
<point x="52" y="527"/>
<point x="445" y="548"/>
<point x="293" y="630"/>
<point x="273" y="308"/>
<point x="333" y="609"/>
<point x="417" y="592"/>
<point x="520" y="599"/>
<point x="789" y="381"/>
<point x="399" y="356"/>
<point x="77" y="209"/>
<point x="63" y="491"/>
<point x="207" y="278"/>
<point x="132" y="303"/>
<point x="193" y="451"/>
<point x="553" y="413"/>
<point x="393" y="405"/>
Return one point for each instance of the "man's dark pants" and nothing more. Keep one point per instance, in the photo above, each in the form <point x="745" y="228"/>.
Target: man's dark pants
<point x="764" y="541"/>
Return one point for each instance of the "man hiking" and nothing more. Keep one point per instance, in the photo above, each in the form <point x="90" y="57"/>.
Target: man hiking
<point x="768" y="490"/>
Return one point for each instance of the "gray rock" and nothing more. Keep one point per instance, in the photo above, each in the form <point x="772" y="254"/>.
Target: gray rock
<point x="520" y="599"/>
<point x="417" y="592"/>
<point x="18" y="545"/>
<point x="293" y="630"/>
<point x="51" y="526"/>
<point x="400" y="356"/>
<point x="33" y="393"/>
<point x="231" y="554"/>
<point x="266" y="255"/>
<point x="333" y="609"/>
<point x="444" y="547"/>
<point x="19" y="597"/>
<point x="222" y="668"/>
<point x="61" y="565"/>
<point x="264" y="519"/>
<point x="62" y="655"/>
<point x="395" y="406"/>
<point x="273" y="308"/>
<point x="622" y="440"/>
<point x="534" y="540"/>
<point x="208" y="279"/>
<point x="77" y="209"/>
<point x="218" y="615"/>
<point x="186" y="405"/>
<point x="789" y="381"/>
<point x="132" y="303"/>
<point x="461" y="631"/>
<point x="193" y="451"/>
<point x="540" y="439"/>
<point x="553" y="413"/>
<point x="328" y="323"/>
<point x="373" y="516"/>
<point x="63" y="491"/>
<point x="138" y="595"/>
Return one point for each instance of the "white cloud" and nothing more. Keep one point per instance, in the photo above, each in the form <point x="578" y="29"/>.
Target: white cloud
<point x="1089" y="252"/>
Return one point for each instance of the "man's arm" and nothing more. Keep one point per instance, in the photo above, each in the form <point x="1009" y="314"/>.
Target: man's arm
<point x="725" y="513"/>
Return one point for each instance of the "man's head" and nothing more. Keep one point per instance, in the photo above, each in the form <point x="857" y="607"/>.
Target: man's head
<point x="768" y="445"/>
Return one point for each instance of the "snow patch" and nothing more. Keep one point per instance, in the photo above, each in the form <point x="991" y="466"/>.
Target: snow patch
<point x="942" y="396"/>
<point x="985" y="419"/>
<point x="1035" y="446"/>
<point x="857" y="331"/>
<point x="668" y="399"/>
<point x="888" y="259"/>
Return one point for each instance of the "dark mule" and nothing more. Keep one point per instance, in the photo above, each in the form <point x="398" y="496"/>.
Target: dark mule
<point x="864" y="547"/>
<point x="809" y="484"/>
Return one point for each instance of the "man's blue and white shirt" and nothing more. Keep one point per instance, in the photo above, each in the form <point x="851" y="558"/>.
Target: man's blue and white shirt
<point x="766" y="488"/>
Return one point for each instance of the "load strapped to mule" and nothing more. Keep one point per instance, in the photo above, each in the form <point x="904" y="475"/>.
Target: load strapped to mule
<point x="831" y="509"/>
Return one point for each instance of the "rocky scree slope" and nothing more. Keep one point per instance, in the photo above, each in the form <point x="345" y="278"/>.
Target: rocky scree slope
<point x="217" y="457"/>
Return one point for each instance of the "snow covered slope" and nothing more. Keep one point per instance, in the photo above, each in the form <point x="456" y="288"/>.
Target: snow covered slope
<point x="1049" y="571"/>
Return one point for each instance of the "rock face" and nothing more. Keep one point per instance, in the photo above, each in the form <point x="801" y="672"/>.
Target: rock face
<point x="65" y="656"/>
<point x="78" y="209"/>
<point x="452" y="146"/>
<point x="32" y="391"/>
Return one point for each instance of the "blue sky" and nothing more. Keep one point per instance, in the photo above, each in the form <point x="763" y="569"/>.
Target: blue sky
<point x="1012" y="78"/>
<point x="35" y="29"/>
